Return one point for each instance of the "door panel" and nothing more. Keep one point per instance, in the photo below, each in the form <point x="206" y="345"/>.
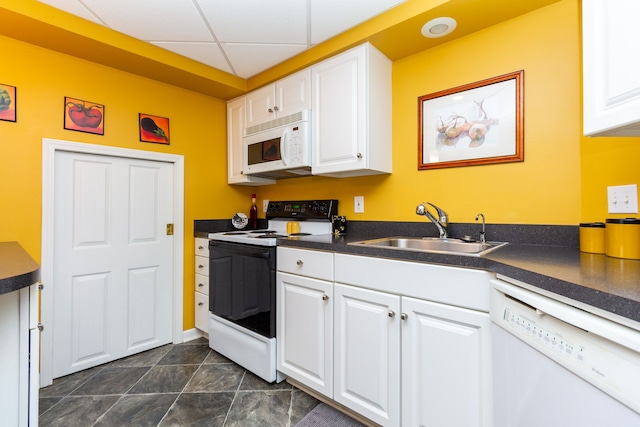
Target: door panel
<point x="113" y="262"/>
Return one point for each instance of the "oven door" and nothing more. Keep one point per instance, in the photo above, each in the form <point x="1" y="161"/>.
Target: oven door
<point x="242" y="285"/>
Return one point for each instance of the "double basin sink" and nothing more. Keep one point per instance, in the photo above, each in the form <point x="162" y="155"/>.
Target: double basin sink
<point x="433" y="245"/>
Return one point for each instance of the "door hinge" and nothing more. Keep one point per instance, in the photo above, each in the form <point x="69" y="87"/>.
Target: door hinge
<point x="169" y="229"/>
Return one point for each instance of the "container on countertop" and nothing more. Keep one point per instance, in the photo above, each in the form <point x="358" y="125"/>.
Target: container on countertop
<point x="623" y="238"/>
<point x="592" y="237"/>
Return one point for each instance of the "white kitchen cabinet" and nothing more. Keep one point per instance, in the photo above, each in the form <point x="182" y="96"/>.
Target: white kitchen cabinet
<point x="611" y="71"/>
<point x="287" y="96"/>
<point x="351" y="114"/>
<point x="202" y="284"/>
<point x="19" y="358"/>
<point x="235" y="148"/>
<point x="367" y="353"/>
<point x="304" y="320"/>
<point x="445" y="365"/>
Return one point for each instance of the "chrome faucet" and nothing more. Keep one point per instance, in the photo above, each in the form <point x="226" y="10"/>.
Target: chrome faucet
<point x="483" y="238"/>
<point x="441" y="222"/>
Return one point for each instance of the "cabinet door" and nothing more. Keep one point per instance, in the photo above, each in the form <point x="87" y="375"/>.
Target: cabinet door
<point x="367" y="353"/>
<point x="304" y="330"/>
<point x="235" y="147"/>
<point x="338" y="113"/>
<point x="293" y="93"/>
<point x="446" y="365"/>
<point x="260" y="105"/>
<point x="611" y="73"/>
<point x="202" y="311"/>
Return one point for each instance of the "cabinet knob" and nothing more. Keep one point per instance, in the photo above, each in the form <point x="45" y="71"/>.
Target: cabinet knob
<point x="201" y="266"/>
<point x="270" y="110"/>
<point x="359" y="155"/>
<point x="200" y="248"/>
<point x="40" y="327"/>
<point x="299" y="262"/>
<point x="200" y="285"/>
<point x="404" y="316"/>
<point x="275" y="108"/>
<point x="200" y="304"/>
<point x="40" y="287"/>
<point x="392" y="313"/>
<point x="325" y="297"/>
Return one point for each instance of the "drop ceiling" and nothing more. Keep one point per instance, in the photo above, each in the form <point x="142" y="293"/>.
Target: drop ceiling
<point x="240" y="37"/>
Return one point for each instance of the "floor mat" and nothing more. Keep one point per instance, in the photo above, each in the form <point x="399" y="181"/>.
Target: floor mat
<point x="324" y="416"/>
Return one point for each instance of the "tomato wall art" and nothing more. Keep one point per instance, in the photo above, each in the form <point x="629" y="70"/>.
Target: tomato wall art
<point x="83" y="116"/>
<point x="7" y="103"/>
<point x="153" y="129"/>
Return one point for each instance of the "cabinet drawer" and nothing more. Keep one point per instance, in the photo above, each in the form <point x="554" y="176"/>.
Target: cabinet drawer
<point x="202" y="312"/>
<point x="308" y="263"/>
<point x="202" y="247"/>
<point x="202" y="284"/>
<point x="202" y="265"/>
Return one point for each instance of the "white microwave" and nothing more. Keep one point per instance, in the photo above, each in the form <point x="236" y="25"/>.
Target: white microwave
<point x="280" y="148"/>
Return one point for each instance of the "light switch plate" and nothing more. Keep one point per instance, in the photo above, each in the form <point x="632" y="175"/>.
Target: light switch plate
<point x="358" y="204"/>
<point x="265" y="205"/>
<point x="623" y="199"/>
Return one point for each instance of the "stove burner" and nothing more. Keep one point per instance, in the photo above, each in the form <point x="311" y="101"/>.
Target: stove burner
<point x="262" y="232"/>
<point x="299" y="234"/>
<point x="235" y="233"/>
<point x="270" y="235"/>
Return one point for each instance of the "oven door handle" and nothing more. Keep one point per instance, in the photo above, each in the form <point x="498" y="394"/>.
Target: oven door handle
<point x="261" y="254"/>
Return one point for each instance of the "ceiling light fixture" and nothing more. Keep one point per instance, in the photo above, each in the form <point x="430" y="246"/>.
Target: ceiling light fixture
<point x="439" y="27"/>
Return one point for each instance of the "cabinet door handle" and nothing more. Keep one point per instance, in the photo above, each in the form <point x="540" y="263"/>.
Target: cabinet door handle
<point x="404" y="316"/>
<point x="270" y="110"/>
<point x="275" y="108"/>
<point x="359" y="155"/>
<point x="40" y="327"/>
<point x="200" y="285"/>
<point x="325" y="297"/>
<point x="200" y="248"/>
<point x="392" y="313"/>
<point x="201" y="266"/>
<point x="299" y="262"/>
<point x="40" y="286"/>
<point x="200" y="304"/>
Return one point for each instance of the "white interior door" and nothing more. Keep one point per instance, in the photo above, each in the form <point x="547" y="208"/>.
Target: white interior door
<point x="112" y="259"/>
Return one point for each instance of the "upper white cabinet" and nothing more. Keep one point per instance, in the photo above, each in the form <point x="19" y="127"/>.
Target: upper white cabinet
<point x="235" y="133"/>
<point x="351" y="114"/>
<point x="288" y="96"/>
<point x="611" y="72"/>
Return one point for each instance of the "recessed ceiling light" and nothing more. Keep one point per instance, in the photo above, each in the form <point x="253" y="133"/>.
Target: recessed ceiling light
<point x="439" y="27"/>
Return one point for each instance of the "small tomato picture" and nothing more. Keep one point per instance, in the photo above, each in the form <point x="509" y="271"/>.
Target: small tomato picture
<point x="7" y="103"/>
<point x="83" y="116"/>
<point x="153" y="129"/>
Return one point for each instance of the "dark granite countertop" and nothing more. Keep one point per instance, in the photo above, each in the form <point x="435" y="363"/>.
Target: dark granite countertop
<point x="547" y="257"/>
<point x="17" y="269"/>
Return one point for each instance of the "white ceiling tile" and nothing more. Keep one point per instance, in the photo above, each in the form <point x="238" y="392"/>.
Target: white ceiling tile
<point x="257" y="21"/>
<point x="332" y="17"/>
<point x="74" y="8"/>
<point x="157" y="20"/>
<point x="207" y="53"/>
<point x="249" y="59"/>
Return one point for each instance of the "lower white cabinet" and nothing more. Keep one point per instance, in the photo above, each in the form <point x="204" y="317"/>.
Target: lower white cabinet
<point x="202" y="284"/>
<point x="367" y="353"/>
<point x="401" y="343"/>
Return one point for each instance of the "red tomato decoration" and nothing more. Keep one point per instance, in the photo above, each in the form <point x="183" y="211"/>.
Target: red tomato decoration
<point x="82" y="116"/>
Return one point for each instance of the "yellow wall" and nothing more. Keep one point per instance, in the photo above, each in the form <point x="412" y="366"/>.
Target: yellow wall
<point x="562" y="180"/>
<point x="544" y="189"/>
<point x="43" y="78"/>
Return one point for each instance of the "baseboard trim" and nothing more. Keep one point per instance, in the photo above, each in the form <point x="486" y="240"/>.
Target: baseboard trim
<point x="193" y="334"/>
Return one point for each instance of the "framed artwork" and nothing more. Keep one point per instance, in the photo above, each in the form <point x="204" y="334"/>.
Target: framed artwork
<point x="153" y="129"/>
<point x="83" y="116"/>
<point x="8" y="102"/>
<point x="476" y="124"/>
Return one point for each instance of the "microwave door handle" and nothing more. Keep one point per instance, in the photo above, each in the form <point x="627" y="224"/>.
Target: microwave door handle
<point x="284" y="147"/>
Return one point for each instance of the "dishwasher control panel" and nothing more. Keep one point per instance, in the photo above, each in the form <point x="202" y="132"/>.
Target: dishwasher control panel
<point x="536" y="320"/>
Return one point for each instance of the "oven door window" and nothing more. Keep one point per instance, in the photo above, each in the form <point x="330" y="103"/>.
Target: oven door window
<point x="242" y="285"/>
<point x="264" y="151"/>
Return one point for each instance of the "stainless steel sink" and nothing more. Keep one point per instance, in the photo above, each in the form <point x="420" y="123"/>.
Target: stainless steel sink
<point x="433" y="245"/>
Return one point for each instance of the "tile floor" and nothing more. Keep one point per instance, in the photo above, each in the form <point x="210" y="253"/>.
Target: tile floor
<point x="175" y="385"/>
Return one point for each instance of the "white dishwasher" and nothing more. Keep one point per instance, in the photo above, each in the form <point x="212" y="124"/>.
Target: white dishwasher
<point x="553" y="365"/>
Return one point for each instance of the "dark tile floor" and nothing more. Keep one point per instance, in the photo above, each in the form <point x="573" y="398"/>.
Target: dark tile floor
<point x="175" y="385"/>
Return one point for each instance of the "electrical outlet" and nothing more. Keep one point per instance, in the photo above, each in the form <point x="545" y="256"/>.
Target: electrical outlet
<point x="358" y="204"/>
<point x="623" y="199"/>
<point x="265" y="205"/>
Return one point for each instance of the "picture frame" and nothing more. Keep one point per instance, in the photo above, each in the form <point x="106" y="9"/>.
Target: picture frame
<point x="8" y="103"/>
<point x="153" y="129"/>
<point x="478" y="123"/>
<point x="83" y="116"/>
